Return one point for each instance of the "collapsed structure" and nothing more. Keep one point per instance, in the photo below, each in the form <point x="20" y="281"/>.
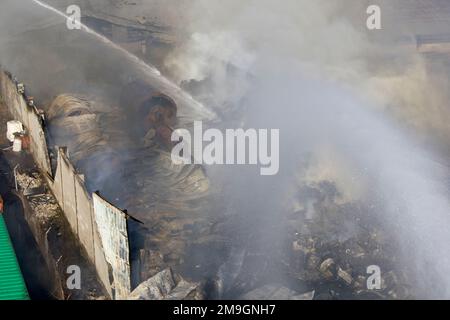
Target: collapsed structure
<point x="124" y="152"/>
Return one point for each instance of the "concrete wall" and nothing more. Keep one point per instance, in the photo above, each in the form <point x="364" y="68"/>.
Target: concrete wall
<point x="85" y="214"/>
<point x="100" y="227"/>
<point x="66" y="184"/>
<point x="17" y="105"/>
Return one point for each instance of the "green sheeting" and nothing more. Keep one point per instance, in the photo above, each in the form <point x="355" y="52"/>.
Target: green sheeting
<point x="12" y="284"/>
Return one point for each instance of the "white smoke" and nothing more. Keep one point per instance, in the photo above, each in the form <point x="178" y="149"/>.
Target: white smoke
<point x="313" y="71"/>
<point x="327" y="38"/>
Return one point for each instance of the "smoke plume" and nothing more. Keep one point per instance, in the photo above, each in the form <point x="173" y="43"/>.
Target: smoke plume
<point x="372" y="114"/>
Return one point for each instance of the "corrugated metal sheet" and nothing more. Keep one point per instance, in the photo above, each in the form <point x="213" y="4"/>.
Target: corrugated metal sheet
<point x="12" y="284"/>
<point x="112" y="227"/>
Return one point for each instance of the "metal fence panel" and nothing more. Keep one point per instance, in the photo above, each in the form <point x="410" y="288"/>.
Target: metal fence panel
<point x="112" y="227"/>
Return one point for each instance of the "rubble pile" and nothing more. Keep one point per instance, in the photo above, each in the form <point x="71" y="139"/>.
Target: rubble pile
<point x="28" y="181"/>
<point x="167" y="285"/>
<point x="45" y="207"/>
<point x="332" y="250"/>
<point x="43" y="204"/>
